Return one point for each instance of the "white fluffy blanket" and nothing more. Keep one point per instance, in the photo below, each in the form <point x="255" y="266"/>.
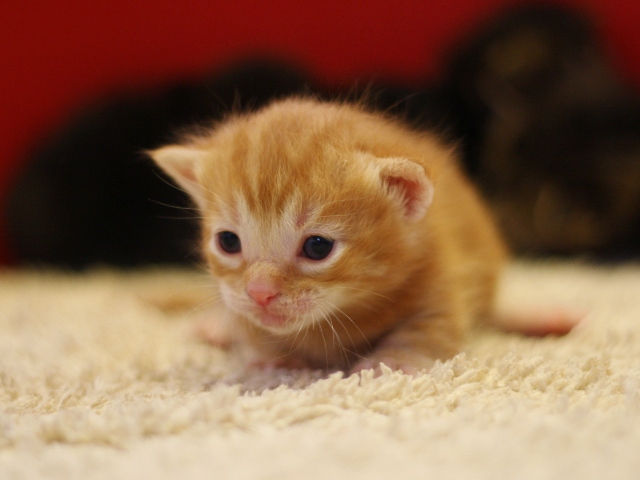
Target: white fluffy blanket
<point x="97" y="381"/>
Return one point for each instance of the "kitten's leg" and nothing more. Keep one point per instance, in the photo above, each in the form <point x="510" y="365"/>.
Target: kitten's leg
<point x="213" y="325"/>
<point x="218" y="328"/>
<point x="289" y="363"/>
<point x="415" y="345"/>
<point x="418" y="343"/>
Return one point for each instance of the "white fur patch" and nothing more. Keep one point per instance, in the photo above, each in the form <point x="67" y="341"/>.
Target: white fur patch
<point x="276" y="240"/>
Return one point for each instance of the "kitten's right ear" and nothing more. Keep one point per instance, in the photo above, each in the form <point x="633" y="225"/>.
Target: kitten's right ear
<point x="182" y="163"/>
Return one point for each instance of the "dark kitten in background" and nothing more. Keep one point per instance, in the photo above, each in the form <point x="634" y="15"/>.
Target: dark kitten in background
<point x="551" y="134"/>
<point x="88" y="193"/>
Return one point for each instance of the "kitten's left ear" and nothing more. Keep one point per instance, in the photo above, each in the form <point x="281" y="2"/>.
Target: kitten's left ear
<point x="183" y="164"/>
<point x="407" y="182"/>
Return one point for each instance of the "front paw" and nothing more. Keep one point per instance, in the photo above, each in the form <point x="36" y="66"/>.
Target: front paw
<point x="287" y="363"/>
<point x="407" y="362"/>
<point x="214" y="332"/>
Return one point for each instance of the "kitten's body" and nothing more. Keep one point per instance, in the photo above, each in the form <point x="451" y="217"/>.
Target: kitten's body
<point x="416" y="256"/>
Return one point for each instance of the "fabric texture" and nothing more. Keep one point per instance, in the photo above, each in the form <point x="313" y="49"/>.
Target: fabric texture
<point x="101" y="376"/>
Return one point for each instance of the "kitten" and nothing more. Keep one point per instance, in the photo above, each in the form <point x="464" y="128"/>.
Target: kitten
<point x="339" y="238"/>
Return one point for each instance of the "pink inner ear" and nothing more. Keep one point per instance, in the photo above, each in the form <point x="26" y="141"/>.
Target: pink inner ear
<point x="415" y="195"/>
<point x="407" y="182"/>
<point x="186" y="174"/>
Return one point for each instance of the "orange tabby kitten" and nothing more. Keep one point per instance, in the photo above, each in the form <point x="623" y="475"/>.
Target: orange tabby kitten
<point x="339" y="238"/>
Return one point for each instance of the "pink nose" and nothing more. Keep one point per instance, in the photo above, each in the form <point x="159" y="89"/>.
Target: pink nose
<point x="262" y="293"/>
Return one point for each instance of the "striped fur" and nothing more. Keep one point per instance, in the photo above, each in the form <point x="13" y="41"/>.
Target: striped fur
<point x="416" y="256"/>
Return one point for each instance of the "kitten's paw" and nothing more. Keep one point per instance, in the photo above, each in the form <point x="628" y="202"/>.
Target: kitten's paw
<point x="409" y="363"/>
<point x="278" y="363"/>
<point x="214" y="332"/>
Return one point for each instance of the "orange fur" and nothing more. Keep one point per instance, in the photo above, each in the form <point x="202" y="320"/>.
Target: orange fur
<point x="416" y="256"/>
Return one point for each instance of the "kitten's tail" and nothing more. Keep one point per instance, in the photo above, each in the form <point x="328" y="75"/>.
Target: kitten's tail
<point x="538" y="323"/>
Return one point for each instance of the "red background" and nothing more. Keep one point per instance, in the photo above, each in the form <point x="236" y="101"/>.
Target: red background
<point x="57" y="54"/>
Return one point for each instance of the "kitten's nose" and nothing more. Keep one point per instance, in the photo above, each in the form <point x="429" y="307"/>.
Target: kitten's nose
<point x="262" y="293"/>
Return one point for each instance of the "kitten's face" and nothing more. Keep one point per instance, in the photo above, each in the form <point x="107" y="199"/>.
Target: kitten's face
<point x="298" y="223"/>
<point x="282" y="268"/>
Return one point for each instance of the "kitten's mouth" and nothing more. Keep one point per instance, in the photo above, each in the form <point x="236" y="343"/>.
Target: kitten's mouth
<point x="269" y="319"/>
<point x="279" y="318"/>
<point x="279" y="322"/>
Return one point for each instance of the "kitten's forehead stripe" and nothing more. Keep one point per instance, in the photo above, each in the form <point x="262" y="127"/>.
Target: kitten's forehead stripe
<point x="278" y="163"/>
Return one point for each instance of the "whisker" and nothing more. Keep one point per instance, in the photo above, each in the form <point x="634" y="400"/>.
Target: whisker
<point x="361" y="290"/>
<point x="302" y="323"/>
<point x="179" y="188"/>
<point x="344" y="351"/>
<point x="176" y="207"/>
<point x="326" y="352"/>
<point x="335" y="333"/>
<point x="353" y="344"/>
<point x="352" y="321"/>
<point x="295" y="346"/>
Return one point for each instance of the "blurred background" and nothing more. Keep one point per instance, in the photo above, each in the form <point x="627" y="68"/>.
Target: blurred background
<point x="80" y="77"/>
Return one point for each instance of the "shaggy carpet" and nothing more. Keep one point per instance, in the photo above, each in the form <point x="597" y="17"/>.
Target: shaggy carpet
<point x="102" y="377"/>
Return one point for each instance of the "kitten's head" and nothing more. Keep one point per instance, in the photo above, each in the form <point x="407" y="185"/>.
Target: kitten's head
<point x="306" y="211"/>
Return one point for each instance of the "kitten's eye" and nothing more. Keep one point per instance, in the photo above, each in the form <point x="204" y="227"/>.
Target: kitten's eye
<point x="229" y="242"/>
<point x="317" y="248"/>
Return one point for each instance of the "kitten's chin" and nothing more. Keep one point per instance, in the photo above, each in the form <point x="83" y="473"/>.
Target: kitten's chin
<point x="277" y="323"/>
<point x="271" y="320"/>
